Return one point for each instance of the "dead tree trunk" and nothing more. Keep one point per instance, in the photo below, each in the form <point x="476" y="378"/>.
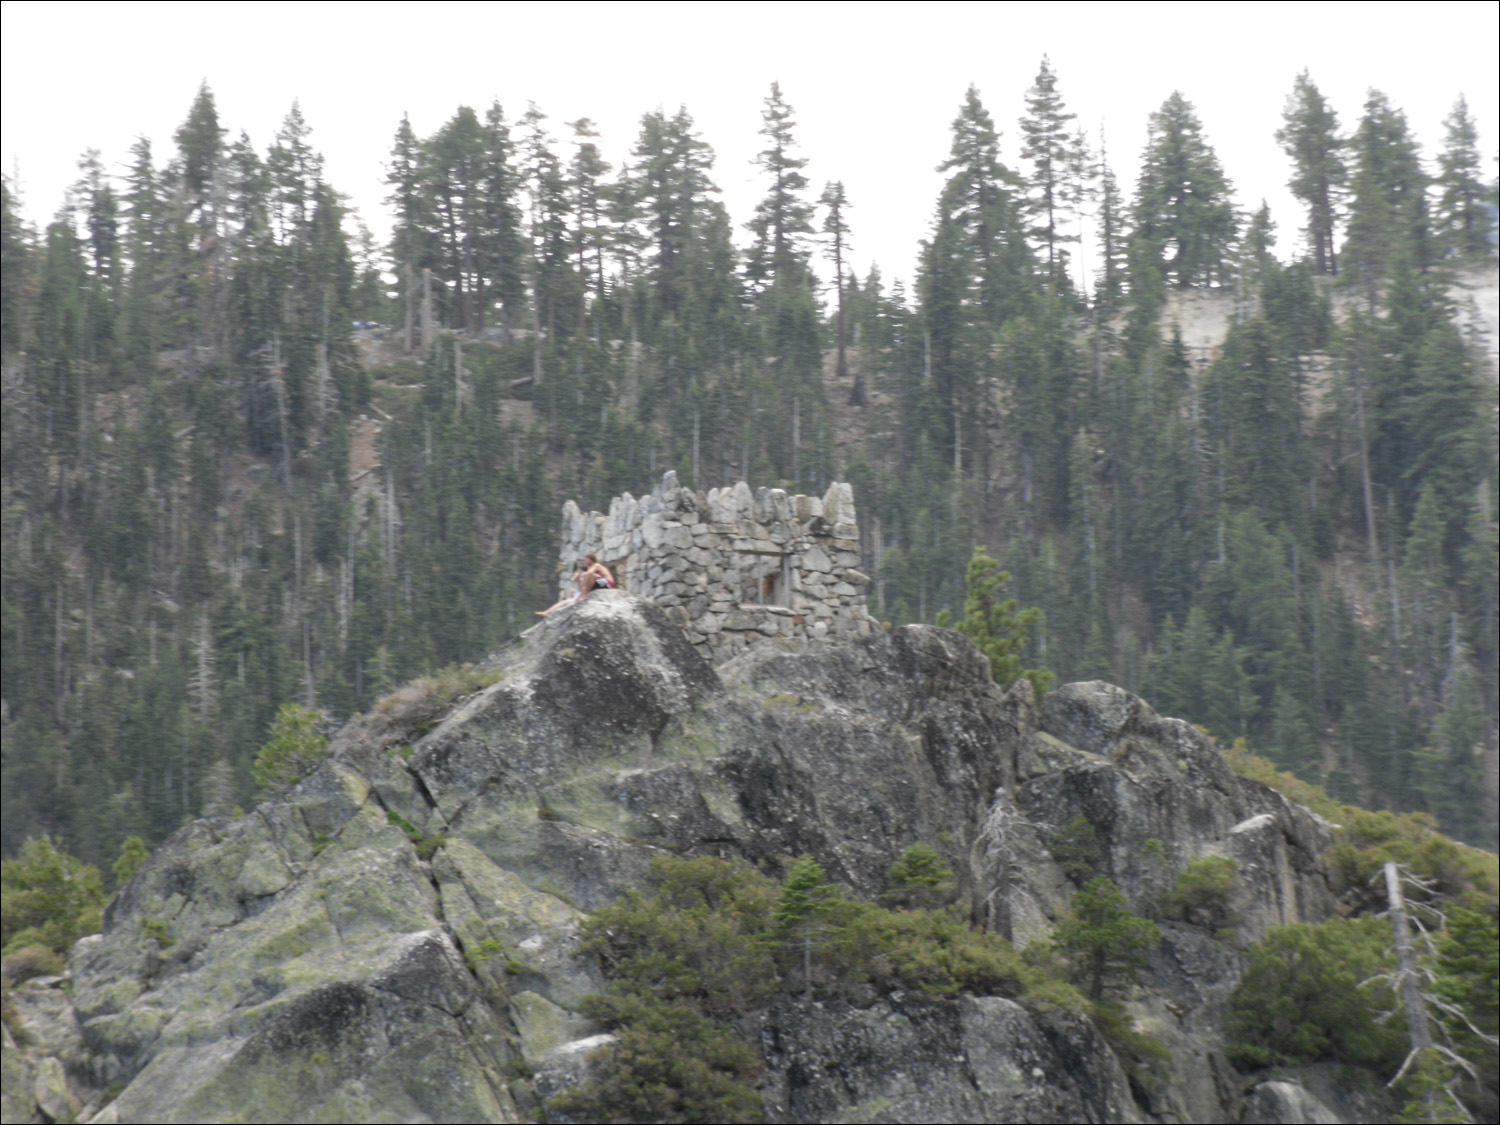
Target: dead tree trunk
<point x="1406" y="964"/>
<point x="411" y="309"/>
<point x="426" y="310"/>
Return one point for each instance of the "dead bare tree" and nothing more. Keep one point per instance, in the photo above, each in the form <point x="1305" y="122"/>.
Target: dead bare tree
<point x="1413" y="982"/>
<point x="992" y="857"/>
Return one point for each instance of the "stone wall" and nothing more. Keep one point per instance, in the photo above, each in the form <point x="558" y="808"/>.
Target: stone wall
<point x="731" y="566"/>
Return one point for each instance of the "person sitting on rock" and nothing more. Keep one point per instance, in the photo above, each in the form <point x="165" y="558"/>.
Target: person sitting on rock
<point x="590" y="575"/>
<point x="596" y="575"/>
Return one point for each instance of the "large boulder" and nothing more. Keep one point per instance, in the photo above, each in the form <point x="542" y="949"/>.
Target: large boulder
<point x="397" y="937"/>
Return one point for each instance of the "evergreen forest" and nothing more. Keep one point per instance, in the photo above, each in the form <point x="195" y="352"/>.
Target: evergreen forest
<point x="252" y="457"/>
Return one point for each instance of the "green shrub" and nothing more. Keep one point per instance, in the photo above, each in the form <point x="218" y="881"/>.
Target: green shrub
<point x="1364" y="841"/>
<point x="483" y="951"/>
<point x="672" y="1064"/>
<point x="154" y="929"/>
<point x="1468" y="972"/>
<point x="1429" y="1098"/>
<point x="47" y="898"/>
<point x="710" y="941"/>
<point x="133" y="855"/>
<point x="683" y="960"/>
<point x="1468" y="979"/>
<point x="702" y="932"/>
<point x="296" y="747"/>
<point x="408" y="829"/>
<point x="427" y="845"/>
<point x="1202" y="892"/>
<point x="1302" y="998"/>
<point x="919" y="879"/>
<point x="932" y="951"/>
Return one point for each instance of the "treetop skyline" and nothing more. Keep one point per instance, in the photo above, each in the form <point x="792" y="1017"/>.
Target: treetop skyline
<point x="854" y="91"/>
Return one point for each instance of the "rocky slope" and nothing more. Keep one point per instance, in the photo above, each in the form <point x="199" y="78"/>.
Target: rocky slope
<point x="397" y="937"/>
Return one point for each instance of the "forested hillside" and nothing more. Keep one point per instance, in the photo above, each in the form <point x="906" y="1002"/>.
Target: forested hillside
<point x="252" y="458"/>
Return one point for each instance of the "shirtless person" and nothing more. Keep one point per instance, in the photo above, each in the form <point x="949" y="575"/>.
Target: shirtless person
<point x="596" y="575"/>
<point x="590" y="575"/>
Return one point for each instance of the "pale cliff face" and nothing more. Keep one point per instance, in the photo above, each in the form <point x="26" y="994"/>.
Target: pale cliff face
<point x="311" y="961"/>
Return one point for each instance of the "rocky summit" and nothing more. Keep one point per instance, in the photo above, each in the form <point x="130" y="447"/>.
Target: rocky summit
<point x="397" y="938"/>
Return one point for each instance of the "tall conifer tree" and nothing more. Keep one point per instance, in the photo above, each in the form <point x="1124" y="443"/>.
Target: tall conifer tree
<point x="1183" y="214"/>
<point x="1309" y="135"/>
<point x="1388" y="197"/>
<point x="1054" y="154"/>
<point x="1464" y="223"/>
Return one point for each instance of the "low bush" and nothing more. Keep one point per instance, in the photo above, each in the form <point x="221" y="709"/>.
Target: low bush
<point x="1304" y="998"/>
<point x="28" y="961"/>
<point x="710" y="941"/>
<point x="416" y="706"/>
<point x="919" y="878"/>
<point x="1202" y="892"/>
<point x="48" y="899"/>
<point x="1366" y="840"/>
<point x="672" y="1064"/>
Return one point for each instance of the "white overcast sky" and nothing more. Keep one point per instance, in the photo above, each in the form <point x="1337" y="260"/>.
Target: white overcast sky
<point x="874" y="86"/>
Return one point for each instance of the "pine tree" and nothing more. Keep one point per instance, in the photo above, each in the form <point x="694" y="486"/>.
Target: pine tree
<point x="200" y="146"/>
<point x="502" y="253"/>
<point x="586" y="174"/>
<point x="1310" y="138"/>
<point x="409" y="231"/>
<point x="100" y="206"/>
<point x="783" y="219"/>
<point x="15" y="271"/>
<point x="998" y="627"/>
<point x="1054" y="154"/>
<point x="1110" y="285"/>
<point x="1105" y="939"/>
<point x="1422" y="585"/>
<point x="802" y="912"/>
<point x="669" y="190"/>
<point x="1463" y="226"/>
<point x="836" y="226"/>
<point x="294" y="169"/>
<point x="976" y="273"/>
<point x="1388" y="198"/>
<point x="1256" y="424"/>
<point x="1480" y="555"/>
<point x="1038" y="370"/>
<point x="1458" y="738"/>
<point x="1183" y="214"/>
<point x="455" y="159"/>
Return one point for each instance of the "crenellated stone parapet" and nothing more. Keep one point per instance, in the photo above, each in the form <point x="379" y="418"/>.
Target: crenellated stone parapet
<point x="731" y="566"/>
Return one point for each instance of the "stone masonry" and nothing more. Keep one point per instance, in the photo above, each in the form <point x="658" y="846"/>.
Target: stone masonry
<point x="731" y="567"/>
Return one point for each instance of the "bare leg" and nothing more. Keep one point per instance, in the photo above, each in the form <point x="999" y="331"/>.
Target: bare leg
<point x="569" y="600"/>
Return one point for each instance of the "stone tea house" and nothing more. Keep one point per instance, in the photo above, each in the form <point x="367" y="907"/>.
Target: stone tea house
<point x="730" y="566"/>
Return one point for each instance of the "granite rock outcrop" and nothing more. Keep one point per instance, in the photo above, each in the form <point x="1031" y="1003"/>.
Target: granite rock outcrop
<point x="397" y="937"/>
